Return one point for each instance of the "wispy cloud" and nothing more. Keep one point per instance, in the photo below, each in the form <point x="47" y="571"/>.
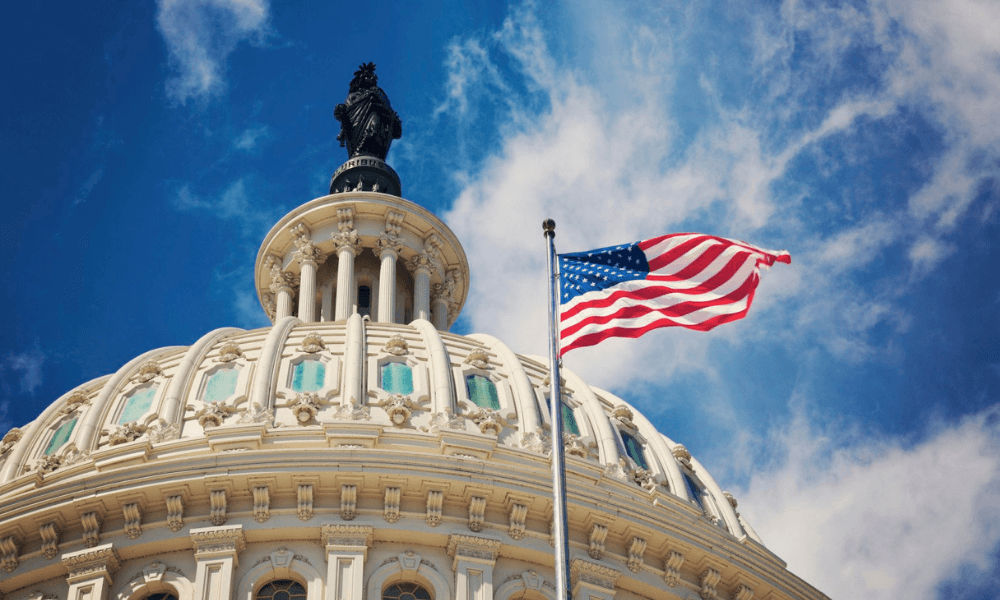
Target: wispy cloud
<point x="853" y="513"/>
<point x="200" y="35"/>
<point x="248" y="140"/>
<point x="21" y="372"/>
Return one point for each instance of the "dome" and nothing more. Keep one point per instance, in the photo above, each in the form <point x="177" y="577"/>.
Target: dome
<point x="357" y="450"/>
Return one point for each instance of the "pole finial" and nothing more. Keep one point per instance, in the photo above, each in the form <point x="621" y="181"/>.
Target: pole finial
<point x="549" y="227"/>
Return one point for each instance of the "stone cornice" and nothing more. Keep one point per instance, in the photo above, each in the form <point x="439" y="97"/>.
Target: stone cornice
<point x="100" y="561"/>
<point x="228" y="539"/>
<point x="359" y="536"/>
<point x="585" y="571"/>
<point x="464" y="547"/>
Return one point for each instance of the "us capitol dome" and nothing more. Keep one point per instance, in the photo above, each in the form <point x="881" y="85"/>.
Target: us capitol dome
<point x="357" y="450"/>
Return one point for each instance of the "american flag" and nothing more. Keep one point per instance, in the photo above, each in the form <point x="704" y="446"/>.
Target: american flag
<point x="682" y="279"/>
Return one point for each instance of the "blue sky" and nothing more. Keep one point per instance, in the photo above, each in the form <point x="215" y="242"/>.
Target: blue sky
<point x="854" y="413"/>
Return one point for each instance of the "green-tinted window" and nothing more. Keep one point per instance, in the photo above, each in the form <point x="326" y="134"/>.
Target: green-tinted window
<point x="283" y="589"/>
<point x="568" y="419"/>
<point x="405" y="591"/>
<point x="693" y="490"/>
<point x="397" y="378"/>
<point x="221" y="385"/>
<point x="634" y="450"/>
<point x="61" y="436"/>
<point x="137" y="405"/>
<point x="482" y="392"/>
<point x="308" y="376"/>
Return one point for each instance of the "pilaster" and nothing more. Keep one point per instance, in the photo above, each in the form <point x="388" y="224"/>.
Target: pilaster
<point x="91" y="572"/>
<point x="216" y="551"/>
<point x="592" y="581"/>
<point x="346" y="551"/>
<point x="474" y="558"/>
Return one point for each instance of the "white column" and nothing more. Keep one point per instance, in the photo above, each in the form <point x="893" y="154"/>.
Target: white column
<point x="90" y="572"/>
<point x="346" y="551"/>
<point x="440" y="306"/>
<point x="474" y="558"/>
<point x="592" y="581"/>
<point x="284" y="301"/>
<point x="347" y="249"/>
<point x="307" y="290"/>
<point x="421" y="267"/>
<point x="217" y="555"/>
<point x="281" y="287"/>
<point x="388" y="251"/>
<point x="326" y="308"/>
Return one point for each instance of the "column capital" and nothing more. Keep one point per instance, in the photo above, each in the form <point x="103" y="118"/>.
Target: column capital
<point x="307" y="250"/>
<point x="343" y="536"/>
<point x="97" y="562"/>
<point x="423" y="261"/>
<point x="346" y="241"/>
<point x="388" y="243"/>
<point x="595" y="574"/>
<point x="474" y="548"/>
<point x="218" y="541"/>
<point x="280" y="280"/>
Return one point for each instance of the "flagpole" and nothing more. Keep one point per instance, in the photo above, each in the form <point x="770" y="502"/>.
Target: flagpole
<point x="559" y="525"/>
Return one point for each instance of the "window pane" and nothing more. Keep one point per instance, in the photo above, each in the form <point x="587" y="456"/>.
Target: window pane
<point x="61" y="436"/>
<point x="283" y="589"/>
<point x="161" y="596"/>
<point x="221" y="385"/>
<point x="405" y="591"/>
<point x="308" y="376"/>
<point x="568" y="419"/>
<point x="397" y="378"/>
<point x="137" y="405"/>
<point x="693" y="491"/>
<point x="634" y="450"/>
<point x="482" y="392"/>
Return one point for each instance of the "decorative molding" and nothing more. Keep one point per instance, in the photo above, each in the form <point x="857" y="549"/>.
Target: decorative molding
<point x="391" y="512"/>
<point x="212" y="540"/>
<point x="13" y="435"/>
<point x="40" y="595"/>
<point x="644" y="479"/>
<point x="479" y="359"/>
<point x="77" y="400"/>
<point x="91" y="522"/>
<point x="347" y="535"/>
<point x="477" y="513"/>
<point x="489" y="421"/>
<point x="672" y="568"/>
<point x="218" y="502"/>
<point x="92" y="563"/>
<point x="305" y="498"/>
<point x="307" y="251"/>
<point x="211" y="414"/>
<point x="175" y="512"/>
<point x="424" y="261"/>
<point x="399" y="408"/>
<point x="446" y="420"/>
<point x="305" y="406"/>
<point x="123" y="434"/>
<point x="280" y="280"/>
<point x="409" y="561"/>
<point x="516" y="519"/>
<point x="49" y="532"/>
<point x="255" y="414"/>
<point x="229" y="352"/>
<point x="598" y="533"/>
<point x="348" y="502"/>
<point x="623" y="415"/>
<point x="743" y="592"/>
<point x="312" y="343"/>
<point x="636" y="548"/>
<point x="575" y="446"/>
<point x="148" y="371"/>
<point x="435" y="502"/>
<point x="352" y="411"/>
<point x="261" y="503"/>
<point x="133" y="520"/>
<point x="584" y="571"/>
<point x="161" y="431"/>
<point x="536" y="442"/>
<point x="396" y="346"/>
<point x="709" y="579"/>
<point x="9" y="549"/>
<point x="682" y="455"/>
<point x="470" y="546"/>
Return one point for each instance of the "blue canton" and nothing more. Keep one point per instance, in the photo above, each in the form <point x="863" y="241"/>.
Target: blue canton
<point x="582" y="272"/>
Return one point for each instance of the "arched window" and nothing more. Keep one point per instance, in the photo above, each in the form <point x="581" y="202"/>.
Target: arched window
<point x="282" y="589"/>
<point x="61" y="436"/>
<point x="405" y="591"/>
<point x="568" y="420"/>
<point x="308" y="376"/>
<point x="137" y="405"/>
<point x="397" y="378"/>
<point x="161" y="596"/>
<point x="694" y="491"/>
<point x="634" y="449"/>
<point x="221" y="384"/>
<point x="482" y="392"/>
<point x="365" y="301"/>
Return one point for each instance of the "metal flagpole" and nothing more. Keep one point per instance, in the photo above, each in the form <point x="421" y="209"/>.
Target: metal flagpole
<point x="555" y="413"/>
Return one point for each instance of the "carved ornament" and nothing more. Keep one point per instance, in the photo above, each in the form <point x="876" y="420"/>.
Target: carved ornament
<point x="352" y="411"/>
<point x="76" y="400"/>
<point x="10" y="439"/>
<point x="209" y="540"/>
<point x="229" y="352"/>
<point x="161" y="431"/>
<point x="682" y="455"/>
<point x="593" y="573"/>
<point x="446" y="420"/>
<point x="489" y="421"/>
<point x="312" y="343"/>
<point x="148" y="370"/>
<point x="347" y="535"/>
<point x="396" y="346"/>
<point x="305" y="406"/>
<point x="212" y="414"/>
<point x="92" y="562"/>
<point x="479" y="359"/>
<point x="470" y="546"/>
<point x="255" y="414"/>
<point x="129" y="432"/>
<point x="623" y="415"/>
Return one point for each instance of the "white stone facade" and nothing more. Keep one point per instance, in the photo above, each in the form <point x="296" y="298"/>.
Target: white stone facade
<point x="349" y="453"/>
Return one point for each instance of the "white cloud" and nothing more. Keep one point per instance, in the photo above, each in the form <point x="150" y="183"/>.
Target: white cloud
<point x="26" y="367"/>
<point x="247" y="140"/>
<point x="862" y="516"/>
<point x="200" y="35"/>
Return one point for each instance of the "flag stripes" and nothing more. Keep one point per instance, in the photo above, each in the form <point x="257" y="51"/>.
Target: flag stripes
<point x="690" y="280"/>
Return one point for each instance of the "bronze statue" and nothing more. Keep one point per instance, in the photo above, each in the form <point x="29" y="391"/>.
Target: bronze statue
<point x="367" y="122"/>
